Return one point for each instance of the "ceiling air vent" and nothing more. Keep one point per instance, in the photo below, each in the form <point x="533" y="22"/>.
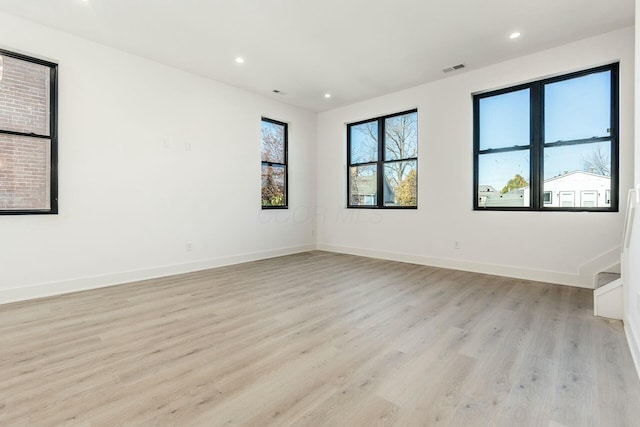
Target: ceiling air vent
<point x="454" y="68"/>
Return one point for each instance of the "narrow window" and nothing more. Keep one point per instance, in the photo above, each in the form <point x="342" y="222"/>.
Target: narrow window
<point x="554" y="136"/>
<point x="28" y="135"/>
<point x="274" y="140"/>
<point x="383" y="162"/>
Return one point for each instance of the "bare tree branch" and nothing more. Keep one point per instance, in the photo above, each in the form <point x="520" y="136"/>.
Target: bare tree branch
<point x="598" y="162"/>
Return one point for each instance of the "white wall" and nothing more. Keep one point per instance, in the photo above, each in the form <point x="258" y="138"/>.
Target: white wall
<point x="131" y="196"/>
<point x="551" y="246"/>
<point x="631" y="282"/>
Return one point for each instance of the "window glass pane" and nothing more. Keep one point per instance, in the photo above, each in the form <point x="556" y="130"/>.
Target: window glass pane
<point x="363" y="185"/>
<point x="273" y="186"/>
<point x="24" y="96"/>
<point x="364" y="142"/>
<point x="272" y="142"/>
<point x="504" y="120"/>
<point x="578" y="108"/>
<point x="401" y="137"/>
<point x="400" y="184"/>
<point x="25" y="173"/>
<point x="504" y="179"/>
<point x="580" y="175"/>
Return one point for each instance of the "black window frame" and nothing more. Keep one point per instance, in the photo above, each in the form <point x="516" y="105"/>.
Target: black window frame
<point x="53" y="135"/>
<point x="285" y="164"/>
<point x="380" y="162"/>
<point x="536" y="144"/>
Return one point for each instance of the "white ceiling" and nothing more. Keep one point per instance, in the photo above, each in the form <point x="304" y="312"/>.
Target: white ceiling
<point x="353" y="49"/>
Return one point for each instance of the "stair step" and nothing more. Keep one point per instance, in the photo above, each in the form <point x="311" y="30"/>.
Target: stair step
<point x="607" y="300"/>
<point x="606" y="277"/>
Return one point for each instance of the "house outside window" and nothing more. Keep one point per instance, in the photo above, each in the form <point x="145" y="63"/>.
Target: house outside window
<point x="28" y="135"/>
<point x="382" y="156"/>
<point x="549" y="145"/>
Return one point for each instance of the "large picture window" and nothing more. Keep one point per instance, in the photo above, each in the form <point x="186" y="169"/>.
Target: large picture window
<point x="274" y="141"/>
<point x="382" y="156"/>
<point x="28" y="135"/>
<point x="549" y="145"/>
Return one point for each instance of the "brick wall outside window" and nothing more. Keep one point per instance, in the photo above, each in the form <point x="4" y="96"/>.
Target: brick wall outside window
<point x="25" y="162"/>
<point x="24" y="172"/>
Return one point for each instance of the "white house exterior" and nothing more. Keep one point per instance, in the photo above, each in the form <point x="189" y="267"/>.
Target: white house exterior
<point x="576" y="189"/>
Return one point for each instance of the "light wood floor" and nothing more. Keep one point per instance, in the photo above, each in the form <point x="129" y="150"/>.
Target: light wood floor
<point x="317" y="339"/>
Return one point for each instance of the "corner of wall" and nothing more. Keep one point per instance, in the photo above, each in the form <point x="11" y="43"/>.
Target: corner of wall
<point x="634" y="344"/>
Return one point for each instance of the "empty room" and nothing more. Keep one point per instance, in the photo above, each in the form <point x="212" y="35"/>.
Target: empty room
<point x="336" y="213"/>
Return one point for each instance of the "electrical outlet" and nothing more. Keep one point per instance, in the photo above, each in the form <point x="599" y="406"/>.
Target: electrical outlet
<point x="188" y="247"/>
<point x="456" y="244"/>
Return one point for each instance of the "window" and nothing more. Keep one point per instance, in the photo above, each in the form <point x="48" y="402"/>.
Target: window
<point x="382" y="155"/>
<point x="553" y="136"/>
<point x="28" y="135"/>
<point x="274" y="164"/>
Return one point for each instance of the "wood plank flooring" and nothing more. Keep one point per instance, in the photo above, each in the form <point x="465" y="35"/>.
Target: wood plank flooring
<point x="317" y="339"/>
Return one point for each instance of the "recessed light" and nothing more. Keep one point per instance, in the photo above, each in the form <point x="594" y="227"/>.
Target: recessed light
<point x="240" y="60"/>
<point x="327" y="95"/>
<point x="514" y="35"/>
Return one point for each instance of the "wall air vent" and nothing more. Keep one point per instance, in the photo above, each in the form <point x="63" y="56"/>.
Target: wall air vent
<point x="454" y="68"/>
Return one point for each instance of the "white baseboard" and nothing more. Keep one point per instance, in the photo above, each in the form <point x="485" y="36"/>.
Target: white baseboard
<point x="634" y="345"/>
<point x="86" y="283"/>
<point x="496" y="270"/>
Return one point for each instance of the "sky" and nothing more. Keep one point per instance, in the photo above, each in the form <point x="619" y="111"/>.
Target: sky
<point x="574" y="109"/>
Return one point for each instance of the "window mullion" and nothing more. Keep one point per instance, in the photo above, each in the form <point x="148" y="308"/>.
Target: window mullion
<point x="25" y="134"/>
<point x="381" y="159"/>
<point x="615" y="141"/>
<point x="476" y="152"/>
<point x="505" y="149"/>
<point x="53" y="132"/>
<point x="536" y="153"/>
